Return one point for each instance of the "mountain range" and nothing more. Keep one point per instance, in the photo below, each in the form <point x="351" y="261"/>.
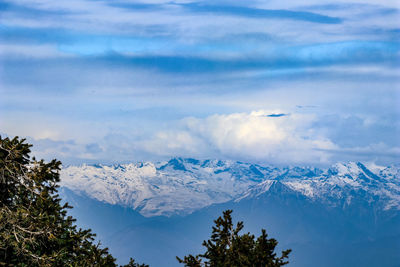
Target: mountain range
<point x="345" y="215"/>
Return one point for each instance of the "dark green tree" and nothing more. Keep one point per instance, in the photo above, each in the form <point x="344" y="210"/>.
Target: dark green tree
<point x="132" y="263"/>
<point x="228" y="248"/>
<point x="35" y="229"/>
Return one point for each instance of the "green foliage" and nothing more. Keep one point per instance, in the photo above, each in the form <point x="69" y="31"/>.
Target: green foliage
<point x="34" y="227"/>
<point x="132" y="263"/>
<point x="227" y="248"/>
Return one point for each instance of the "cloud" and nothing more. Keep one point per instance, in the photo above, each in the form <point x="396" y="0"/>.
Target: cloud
<point x="295" y="139"/>
<point x="10" y="7"/>
<point x="261" y="13"/>
<point x="277" y="115"/>
<point x="355" y="131"/>
<point x="284" y="58"/>
<point x="48" y="148"/>
<point x="379" y="153"/>
<point x="251" y="136"/>
<point x="301" y="138"/>
<point x="93" y="148"/>
<point x="153" y="79"/>
<point x="31" y="51"/>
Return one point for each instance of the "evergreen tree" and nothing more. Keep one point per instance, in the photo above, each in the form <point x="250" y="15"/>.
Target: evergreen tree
<point x="132" y="263"/>
<point x="34" y="227"/>
<point x="227" y="248"/>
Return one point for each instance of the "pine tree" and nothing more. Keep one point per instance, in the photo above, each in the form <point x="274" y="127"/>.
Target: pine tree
<point x="132" y="263"/>
<point x="34" y="227"/>
<point x="228" y="248"/>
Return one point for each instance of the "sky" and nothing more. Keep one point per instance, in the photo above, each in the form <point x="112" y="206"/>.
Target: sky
<point x="274" y="82"/>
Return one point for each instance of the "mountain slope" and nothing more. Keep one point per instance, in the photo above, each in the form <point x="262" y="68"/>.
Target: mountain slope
<point x="319" y="235"/>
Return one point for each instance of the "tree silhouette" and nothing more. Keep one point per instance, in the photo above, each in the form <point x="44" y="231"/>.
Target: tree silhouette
<point x="227" y="248"/>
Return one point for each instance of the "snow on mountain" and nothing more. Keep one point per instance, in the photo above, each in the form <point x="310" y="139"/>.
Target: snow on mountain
<point x="340" y="184"/>
<point x="181" y="186"/>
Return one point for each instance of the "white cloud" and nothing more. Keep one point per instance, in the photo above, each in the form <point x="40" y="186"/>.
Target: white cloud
<point x="31" y="51"/>
<point x="252" y="136"/>
<point x="297" y="138"/>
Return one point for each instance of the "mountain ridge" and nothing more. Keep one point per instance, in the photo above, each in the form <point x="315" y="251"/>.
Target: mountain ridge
<point x="181" y="186"/>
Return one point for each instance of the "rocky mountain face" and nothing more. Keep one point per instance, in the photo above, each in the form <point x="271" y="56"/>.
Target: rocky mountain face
<point x="181" y="186"/>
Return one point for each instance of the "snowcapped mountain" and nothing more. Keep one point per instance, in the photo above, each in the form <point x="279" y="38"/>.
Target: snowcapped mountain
<point x="178" y="186"/>
<point x="345" y="215"/>
<point x="181" y="186"/>
<point x="339" y="185"/>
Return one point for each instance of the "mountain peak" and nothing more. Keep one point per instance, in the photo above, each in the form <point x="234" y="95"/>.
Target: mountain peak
<point x="176" y="164"/>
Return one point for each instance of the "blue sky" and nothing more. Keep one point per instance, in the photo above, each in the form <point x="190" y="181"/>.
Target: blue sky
<point x="305" y="82"/>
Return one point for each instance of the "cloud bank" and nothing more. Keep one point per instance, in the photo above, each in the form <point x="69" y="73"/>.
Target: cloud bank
<point x="254" y="137"/>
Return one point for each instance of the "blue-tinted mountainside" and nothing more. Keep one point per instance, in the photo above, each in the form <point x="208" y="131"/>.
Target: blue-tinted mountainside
<point x="346" y="215"/>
